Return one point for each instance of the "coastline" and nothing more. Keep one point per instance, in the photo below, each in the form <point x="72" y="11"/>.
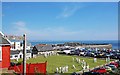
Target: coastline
<point x="114" y="43"/>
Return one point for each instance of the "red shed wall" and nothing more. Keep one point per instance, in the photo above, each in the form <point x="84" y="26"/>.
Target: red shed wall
<point x="5" y="63"/>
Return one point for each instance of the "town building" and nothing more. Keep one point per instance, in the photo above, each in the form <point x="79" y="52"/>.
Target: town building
<point x="17" y="45"/>
<point x="17" y="54"/>
<point x="38" y="49"/>
<point x="4" y="51"/>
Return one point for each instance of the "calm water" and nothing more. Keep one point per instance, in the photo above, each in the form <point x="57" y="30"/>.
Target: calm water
<point x="113" y="42"/>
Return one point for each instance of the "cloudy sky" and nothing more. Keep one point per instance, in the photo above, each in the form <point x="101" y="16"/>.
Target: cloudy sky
<point x="61" y="20"/>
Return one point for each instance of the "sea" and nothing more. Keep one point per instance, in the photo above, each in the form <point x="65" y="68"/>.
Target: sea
<point x="115" y="43"/>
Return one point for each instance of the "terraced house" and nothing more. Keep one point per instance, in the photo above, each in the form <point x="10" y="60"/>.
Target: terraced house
<point x="4" y="51"/>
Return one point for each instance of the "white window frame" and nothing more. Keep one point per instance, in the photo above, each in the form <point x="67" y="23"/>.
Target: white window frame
<point x="1" y="53"/>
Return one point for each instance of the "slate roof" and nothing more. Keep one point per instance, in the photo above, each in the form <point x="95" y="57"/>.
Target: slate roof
<point x="43" y="47"/>
<point x="12" y="52"/>
<point x="3" y="41"/>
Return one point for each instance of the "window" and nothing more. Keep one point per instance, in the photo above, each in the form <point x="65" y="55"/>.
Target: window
<point x="16" y="56"/>
<point x="11" y="56"/>
<point x="0" y="53"/>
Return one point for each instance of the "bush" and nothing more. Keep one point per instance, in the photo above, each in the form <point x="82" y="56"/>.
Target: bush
<point x="4" y="74"/>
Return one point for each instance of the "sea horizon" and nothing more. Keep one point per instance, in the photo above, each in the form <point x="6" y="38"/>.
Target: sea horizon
<point x="70" y="40"/>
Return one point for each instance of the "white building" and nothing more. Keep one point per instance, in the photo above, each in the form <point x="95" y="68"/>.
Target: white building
<point x="19" y="46"/>
<point x="15" y="46"/>
<point x="17" y="54"/>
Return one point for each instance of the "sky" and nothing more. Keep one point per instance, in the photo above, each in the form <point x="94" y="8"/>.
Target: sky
<point x="60" y="0"/>
<point x="61" y="20"/>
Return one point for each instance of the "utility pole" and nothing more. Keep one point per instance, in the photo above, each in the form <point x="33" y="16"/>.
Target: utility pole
<point x="23" y="38"/>
<point x="24" y="54"/>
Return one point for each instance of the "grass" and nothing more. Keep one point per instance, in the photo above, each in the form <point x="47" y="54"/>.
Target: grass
<point x="63" y="60"/>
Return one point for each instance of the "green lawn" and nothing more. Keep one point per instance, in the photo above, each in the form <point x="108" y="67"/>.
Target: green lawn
<point x="63" y="60"/>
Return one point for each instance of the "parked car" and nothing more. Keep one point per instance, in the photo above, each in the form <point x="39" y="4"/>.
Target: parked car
<point x="82" y="53"/>
<point x="72" y="52"/>
<point x="114" y="63"/>
<point x="77" y="52"/>
<point x="117" y="55"/>
<point x="66" y="51"/>
<point x="74" y="73"/>
<point x="113" y="67"/>
<point x="108" y="68"/>
<point x="91" y="73"/>
<point x="99" y="70"/>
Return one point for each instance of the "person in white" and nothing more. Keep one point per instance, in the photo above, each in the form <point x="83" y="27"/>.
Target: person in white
<point x="84" y="67"/>
<point x="83" y="60"/>
<point x="108" y="59"/>
<point x="66" y="68"/>
<point x="17" y="58"/>
<point x="63" y="69"/>
<point x="82" y="64"/>
<point x="85" y="63"/>
<point x="45" y="55"/>
<point x="57" y="70"/>
<point x="60" y="69"/>
<point x="79" y="61"/>
<point x="87" y="66"/>
<point x="74" y="67"/>
<point x="73" y="59"/>
<point x="95" y="59"/>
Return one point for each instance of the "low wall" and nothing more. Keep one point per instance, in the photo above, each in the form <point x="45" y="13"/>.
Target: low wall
<point x="109" y="46"/>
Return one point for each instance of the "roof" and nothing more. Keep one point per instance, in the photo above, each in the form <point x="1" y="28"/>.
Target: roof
<point x="3" y="40"/>
<point x="43" y="47"/>
<point x="12" y="52"/>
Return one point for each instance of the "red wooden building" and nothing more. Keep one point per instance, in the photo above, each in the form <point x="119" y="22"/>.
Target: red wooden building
<point x="4" y="51"/>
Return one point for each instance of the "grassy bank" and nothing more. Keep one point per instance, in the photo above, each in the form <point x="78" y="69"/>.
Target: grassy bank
<point x="63" y="60"/>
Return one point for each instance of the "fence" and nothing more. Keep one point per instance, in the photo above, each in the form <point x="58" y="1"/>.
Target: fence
<point x="31" y="69"/>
